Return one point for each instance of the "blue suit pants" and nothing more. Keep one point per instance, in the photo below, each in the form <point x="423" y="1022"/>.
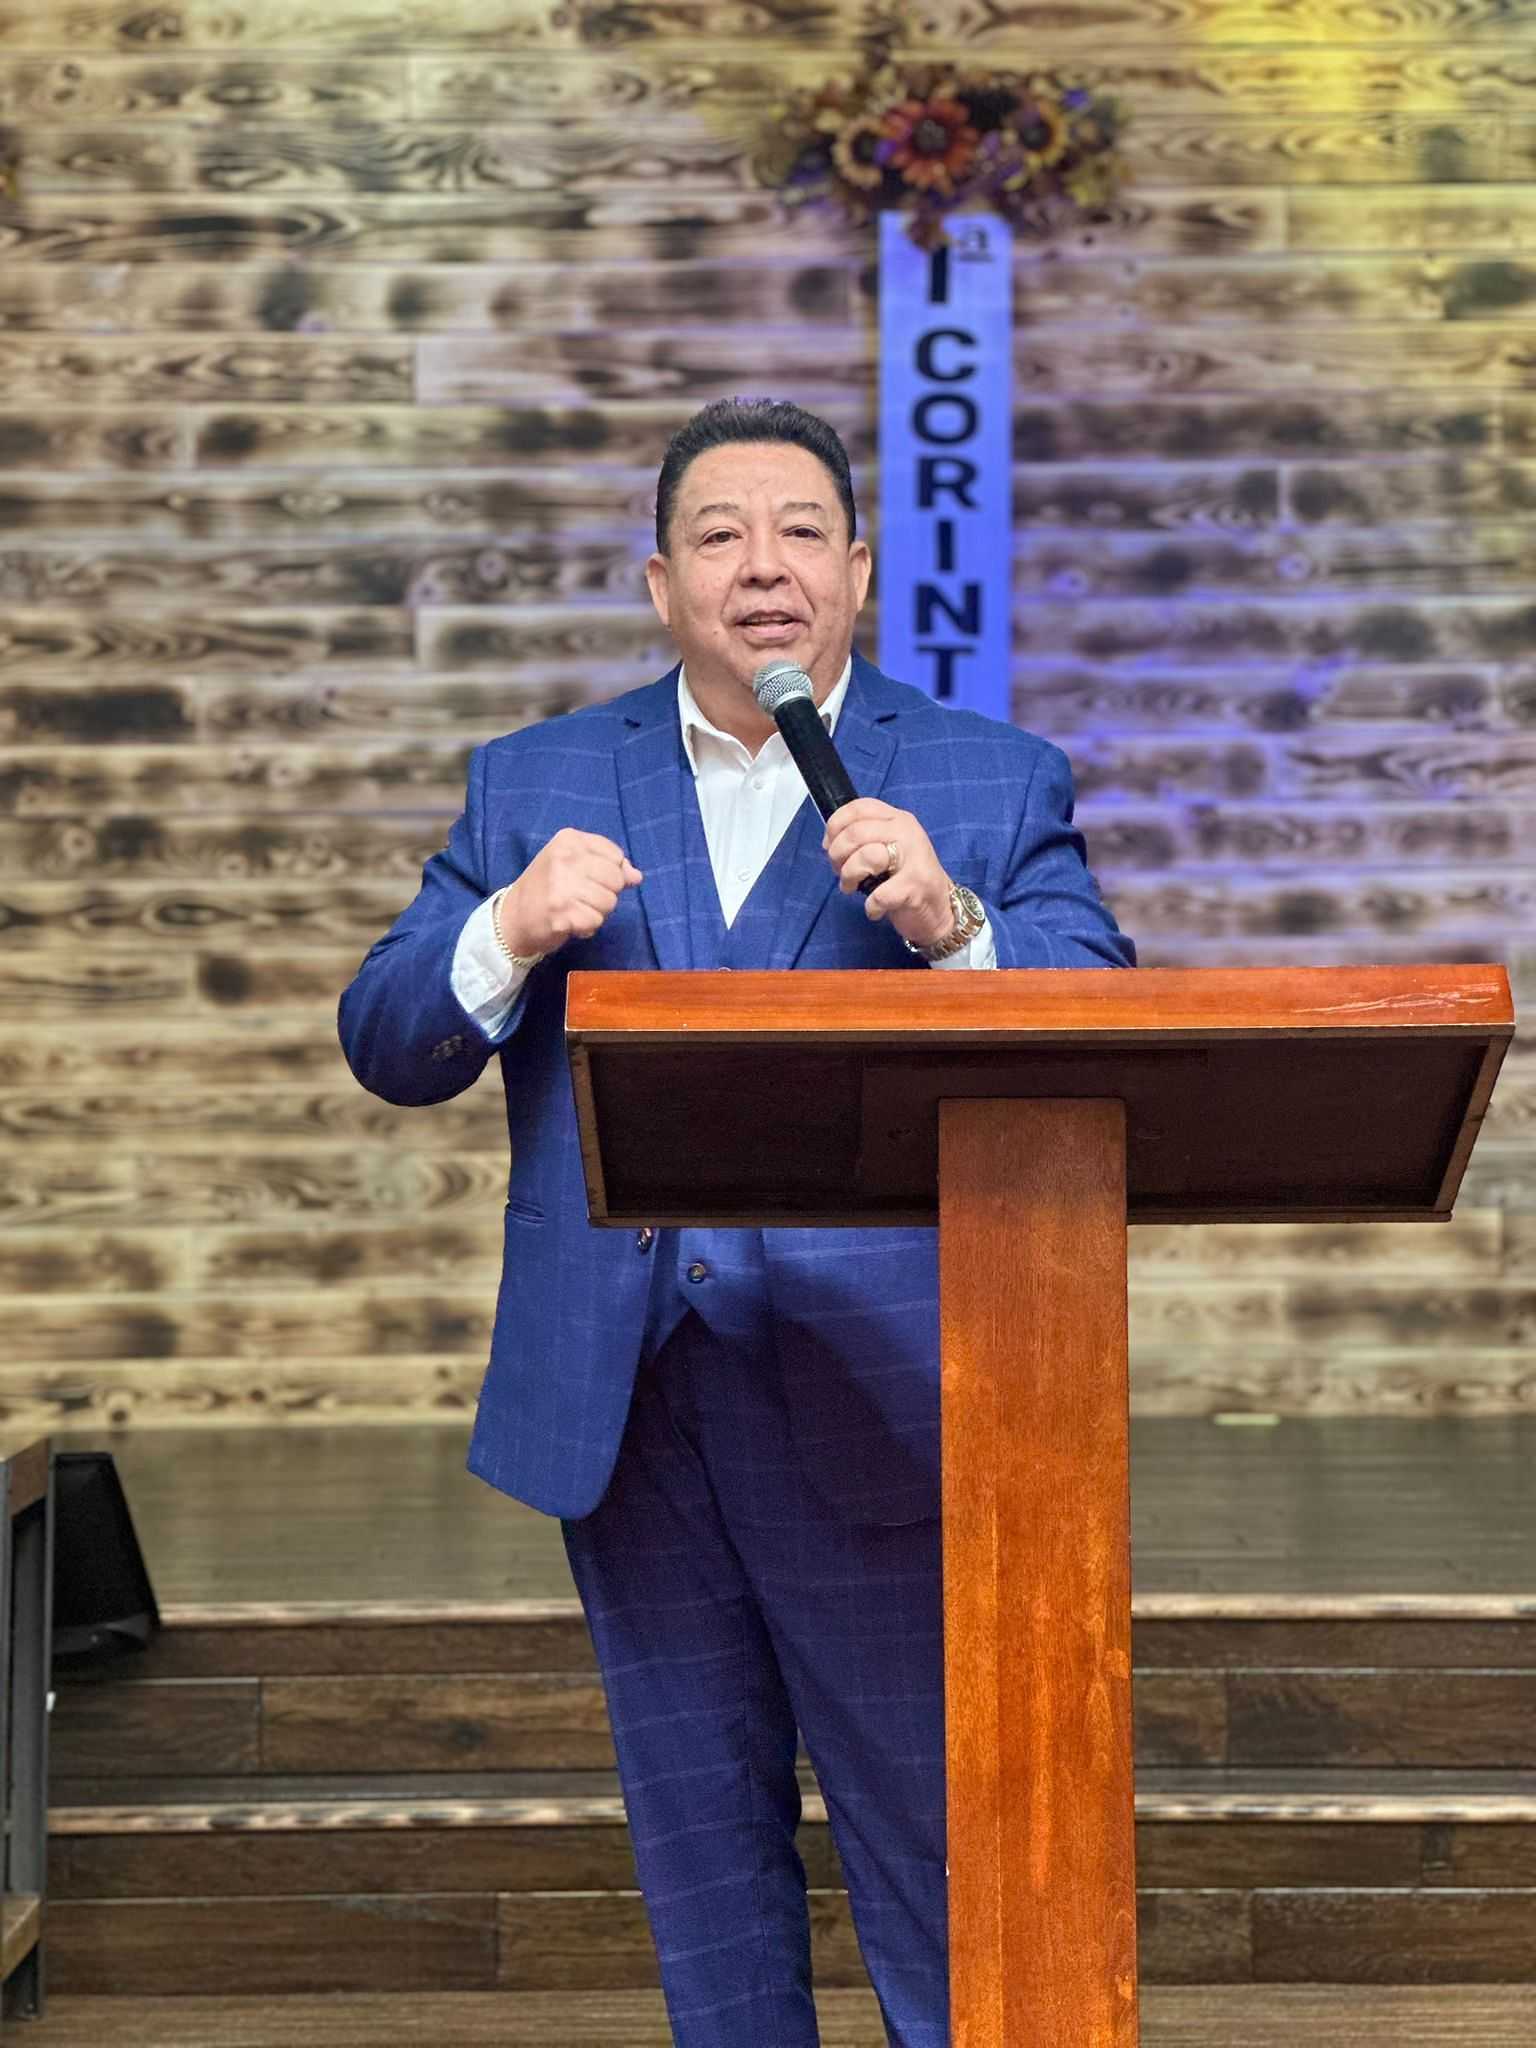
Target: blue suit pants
<point x="733" y="1614"/>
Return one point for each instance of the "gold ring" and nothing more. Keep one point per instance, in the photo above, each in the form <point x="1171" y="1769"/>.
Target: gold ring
<point x="895" y="856"/>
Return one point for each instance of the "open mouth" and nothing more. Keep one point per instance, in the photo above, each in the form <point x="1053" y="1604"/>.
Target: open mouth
<point x="770" y="625"/>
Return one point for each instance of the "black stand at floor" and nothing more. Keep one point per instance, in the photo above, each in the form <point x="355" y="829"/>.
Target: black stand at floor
<point x="26" y="1599"/>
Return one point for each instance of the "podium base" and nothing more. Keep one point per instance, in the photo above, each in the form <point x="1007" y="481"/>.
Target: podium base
<point x="1037" y="1584"/>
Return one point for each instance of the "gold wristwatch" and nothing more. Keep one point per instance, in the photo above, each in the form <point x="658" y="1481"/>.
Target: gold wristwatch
<point x="970" y="915"/>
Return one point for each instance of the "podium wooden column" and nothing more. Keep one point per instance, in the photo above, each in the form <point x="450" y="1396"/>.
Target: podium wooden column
<point x="1032" y="1114"/>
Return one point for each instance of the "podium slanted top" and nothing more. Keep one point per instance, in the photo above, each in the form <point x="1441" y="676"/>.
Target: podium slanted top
<point x="1263" y="1094"/>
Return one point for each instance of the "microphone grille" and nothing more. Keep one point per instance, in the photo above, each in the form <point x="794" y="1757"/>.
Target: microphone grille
<point x="777" y="681"/>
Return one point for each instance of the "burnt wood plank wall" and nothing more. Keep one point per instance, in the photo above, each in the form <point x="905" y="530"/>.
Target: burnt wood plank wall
<point x="337" y="346"/>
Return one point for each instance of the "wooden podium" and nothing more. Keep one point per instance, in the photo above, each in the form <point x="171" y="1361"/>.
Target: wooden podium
<point x="1032" y="1115"/>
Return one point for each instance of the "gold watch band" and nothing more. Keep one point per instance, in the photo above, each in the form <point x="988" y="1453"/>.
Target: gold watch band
<point x="969" y="916"/>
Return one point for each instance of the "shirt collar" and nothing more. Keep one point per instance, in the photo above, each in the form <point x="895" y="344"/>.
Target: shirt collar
<point x="694" y="722"/>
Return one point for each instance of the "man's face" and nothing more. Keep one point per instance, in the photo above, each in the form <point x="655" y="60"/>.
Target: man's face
<point x="759" y="566"/>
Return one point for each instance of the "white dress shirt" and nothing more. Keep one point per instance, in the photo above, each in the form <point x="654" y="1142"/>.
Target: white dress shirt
<point x="746" y="801"/>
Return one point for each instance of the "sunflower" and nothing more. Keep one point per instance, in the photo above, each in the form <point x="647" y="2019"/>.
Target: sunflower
<point x="1041" y="126"/>
<point x="1090" y="185"/>
<point x="857" y="152"/>
<point x="935" y="142"/>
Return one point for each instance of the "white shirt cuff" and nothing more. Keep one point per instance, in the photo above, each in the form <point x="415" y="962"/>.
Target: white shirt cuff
<point x="981" y="952"/>
<point x="485" y="982"/>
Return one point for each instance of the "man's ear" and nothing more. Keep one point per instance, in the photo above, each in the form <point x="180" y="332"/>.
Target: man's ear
<point x="861" y="565"/>
<point x="658" y="582"/>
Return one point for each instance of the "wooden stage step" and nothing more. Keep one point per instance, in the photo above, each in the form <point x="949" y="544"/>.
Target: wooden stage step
<point x="1202" y="2017"/>
<point x="21" y="1919"/>
<point x="1432" y="1685"/>
<point x="293" y="1886"/>
<point x="374" y="1756"/>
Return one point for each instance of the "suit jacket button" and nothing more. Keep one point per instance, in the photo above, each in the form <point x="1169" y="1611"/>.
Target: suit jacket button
<point x="644" y="1238"/>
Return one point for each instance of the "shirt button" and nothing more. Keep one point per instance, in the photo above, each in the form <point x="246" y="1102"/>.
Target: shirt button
<point x="698" y="1272"/>
<point x="742" y="873"/>
<point x="644" y="1239"/>
<point x="757" y="782"/>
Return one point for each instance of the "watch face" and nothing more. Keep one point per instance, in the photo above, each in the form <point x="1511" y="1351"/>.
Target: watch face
<point x="971" y="911"/>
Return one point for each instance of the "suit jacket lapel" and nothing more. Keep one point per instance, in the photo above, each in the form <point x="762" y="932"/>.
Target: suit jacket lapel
<point x="647" y="767"/>
<point x="867" y="744"/>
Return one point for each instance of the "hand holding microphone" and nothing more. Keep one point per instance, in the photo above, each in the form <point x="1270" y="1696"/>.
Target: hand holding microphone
<point x="883" y="853"/>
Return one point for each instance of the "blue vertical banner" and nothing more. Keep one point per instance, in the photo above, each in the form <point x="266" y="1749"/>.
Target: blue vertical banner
<point x="946" y="461"/>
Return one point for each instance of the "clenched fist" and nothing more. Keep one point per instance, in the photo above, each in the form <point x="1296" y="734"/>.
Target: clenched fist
<point x="567" y="891"/>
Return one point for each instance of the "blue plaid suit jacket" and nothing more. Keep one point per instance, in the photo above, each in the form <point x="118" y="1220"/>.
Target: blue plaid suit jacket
<point x="855" y="1310"/>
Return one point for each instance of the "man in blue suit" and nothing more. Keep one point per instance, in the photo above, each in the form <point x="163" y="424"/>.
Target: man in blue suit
<point x="738" y="1428"/>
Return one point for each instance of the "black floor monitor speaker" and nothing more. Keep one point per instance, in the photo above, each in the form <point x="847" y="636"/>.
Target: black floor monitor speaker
<point x="103" y="1603"/>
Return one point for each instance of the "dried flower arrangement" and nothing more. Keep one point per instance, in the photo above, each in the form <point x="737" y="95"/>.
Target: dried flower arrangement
<point x="929" y="140"/>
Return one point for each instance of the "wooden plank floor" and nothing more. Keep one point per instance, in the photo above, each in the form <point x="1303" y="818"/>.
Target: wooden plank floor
<point x="1326" y="1507"/>
<point x="1224" y="2016"/>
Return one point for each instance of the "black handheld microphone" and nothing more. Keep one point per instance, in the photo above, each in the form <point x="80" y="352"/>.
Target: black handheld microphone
<point x="784" y="691"/>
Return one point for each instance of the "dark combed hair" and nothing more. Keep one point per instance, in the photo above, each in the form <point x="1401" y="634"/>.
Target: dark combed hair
<point x="751" y="419"/>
